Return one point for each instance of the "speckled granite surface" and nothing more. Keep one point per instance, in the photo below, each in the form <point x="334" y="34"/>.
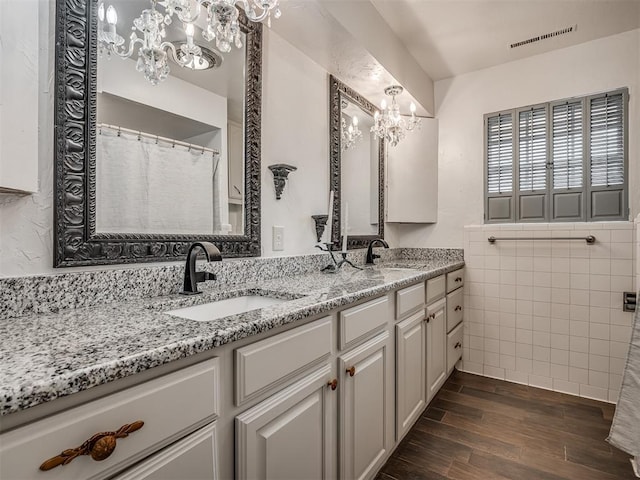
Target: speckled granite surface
<point x="49" y="355"/>
<point x="52" y="293"/>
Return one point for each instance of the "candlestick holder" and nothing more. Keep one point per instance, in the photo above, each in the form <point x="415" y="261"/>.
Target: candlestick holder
<point x="337" y="264"/>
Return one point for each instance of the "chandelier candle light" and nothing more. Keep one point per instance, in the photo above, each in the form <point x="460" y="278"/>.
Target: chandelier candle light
<point x="350" y="134"/>
<point x="389" y="124"/>
<point x="221" y="24"/>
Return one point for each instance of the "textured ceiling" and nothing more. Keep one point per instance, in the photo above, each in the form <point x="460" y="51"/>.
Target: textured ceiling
<point x="452" y="37"/>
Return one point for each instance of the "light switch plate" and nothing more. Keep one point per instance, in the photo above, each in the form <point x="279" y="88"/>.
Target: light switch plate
<point x="278" y="238"/>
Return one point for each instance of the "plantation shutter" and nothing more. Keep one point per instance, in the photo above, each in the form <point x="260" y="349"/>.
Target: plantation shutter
<point x="567" y="156"/>
<point x="532" y="164"/>
<point x="607" y="156"/>
<point x="499" y="154"/>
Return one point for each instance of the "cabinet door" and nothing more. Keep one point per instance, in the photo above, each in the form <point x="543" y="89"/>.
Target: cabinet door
<point x="410" y="372"/>
<point x="192" y="458"/>
<point x="291" y="435"/>
<point x="436" y="347"/>
<point x="366" y="408"/>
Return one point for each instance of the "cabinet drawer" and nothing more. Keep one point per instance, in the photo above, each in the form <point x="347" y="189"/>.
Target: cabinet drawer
<point x="409" y="300"/>
<point x="169" y="406"/>
<point x="357" y="322"/>
<point x="455" y="279"/>
<point x="192" y="458"/>
<point x="454" y="309"/>
<point x="273" y="361"/>
<point x="436" y="288"/>
<point x="454" y="347"/>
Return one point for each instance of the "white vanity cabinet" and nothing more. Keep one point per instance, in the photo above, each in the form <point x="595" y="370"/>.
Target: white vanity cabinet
<point x="366" y="408"/>
<point x="411" y="361"/>
<point x="436" y="347"/>
<point x="455" y="309"/>
<point x="171" y="407"/>
<point x="291" y="434"/>
<point x="329" y="398"/>
<point x="192" y="458"/>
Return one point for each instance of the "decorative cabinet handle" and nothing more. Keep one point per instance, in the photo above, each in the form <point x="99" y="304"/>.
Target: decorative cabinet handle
<point x="458" y="345"/>
<point x="458" y="279"/>
<point x="431" y="317"/>
<point x="351" y="371"/>
<point x="458" y="308"/>
<point x="99" y="446"/>
<point x="333" y="384"/>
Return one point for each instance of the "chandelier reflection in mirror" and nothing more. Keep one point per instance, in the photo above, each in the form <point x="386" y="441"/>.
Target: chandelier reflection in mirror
<point x="351" y="134"/>
<point x="153" y="53"/>
<point x="388" y="123"/>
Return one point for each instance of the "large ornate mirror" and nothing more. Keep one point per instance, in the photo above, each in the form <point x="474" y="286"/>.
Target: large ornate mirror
<point x="144" y="170"/>
<point x="356" y="166"/>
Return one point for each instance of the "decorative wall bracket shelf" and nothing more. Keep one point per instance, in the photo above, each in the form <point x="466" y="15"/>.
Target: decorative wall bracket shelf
<point x="280" y="173"/>
<point x="321" y="223"/>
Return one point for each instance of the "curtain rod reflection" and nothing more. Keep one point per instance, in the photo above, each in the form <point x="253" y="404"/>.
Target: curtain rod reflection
<point x="157" y="138"/>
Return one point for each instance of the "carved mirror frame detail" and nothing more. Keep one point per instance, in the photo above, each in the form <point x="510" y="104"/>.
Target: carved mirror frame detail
<point x="75" y="239"/>
<point x="336" y="88"/>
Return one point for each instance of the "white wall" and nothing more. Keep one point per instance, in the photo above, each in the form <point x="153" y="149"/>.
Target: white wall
<point x="461" y="102"/>
<point x="294" y="130"/>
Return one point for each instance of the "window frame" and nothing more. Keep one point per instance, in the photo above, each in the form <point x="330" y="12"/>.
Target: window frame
<point x="586" y="208"/>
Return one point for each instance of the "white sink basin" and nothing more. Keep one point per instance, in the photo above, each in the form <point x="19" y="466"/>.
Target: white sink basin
<point x="223" y="308"/>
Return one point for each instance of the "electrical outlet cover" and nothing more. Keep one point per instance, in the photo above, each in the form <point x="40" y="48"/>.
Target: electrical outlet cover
<point x="278" y="238"/>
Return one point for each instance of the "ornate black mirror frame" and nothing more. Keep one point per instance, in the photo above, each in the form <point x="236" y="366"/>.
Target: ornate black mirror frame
<point x="336" y="89"/>
<point x="75" y="239"/>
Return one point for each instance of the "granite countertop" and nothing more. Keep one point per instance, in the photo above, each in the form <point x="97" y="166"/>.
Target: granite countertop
<point x="51" y="355"/>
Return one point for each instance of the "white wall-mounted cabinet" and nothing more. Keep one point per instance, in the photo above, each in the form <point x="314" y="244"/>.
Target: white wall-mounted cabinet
<point x="412" y="176"/>
<point x="19" y="67"/>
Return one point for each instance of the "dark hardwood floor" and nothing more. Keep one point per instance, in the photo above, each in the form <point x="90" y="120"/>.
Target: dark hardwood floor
<point x="478" y="428"/>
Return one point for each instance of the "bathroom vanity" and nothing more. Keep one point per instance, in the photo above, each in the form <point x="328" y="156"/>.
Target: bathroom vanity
<point x="321" y="385"/>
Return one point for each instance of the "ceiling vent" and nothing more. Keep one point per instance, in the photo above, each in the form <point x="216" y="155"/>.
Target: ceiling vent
<point x="545" y="36"/>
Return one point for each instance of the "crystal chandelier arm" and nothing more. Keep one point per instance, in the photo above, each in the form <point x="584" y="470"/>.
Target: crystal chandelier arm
<point x="265" y="7"/>
<point x="126" y="53"/>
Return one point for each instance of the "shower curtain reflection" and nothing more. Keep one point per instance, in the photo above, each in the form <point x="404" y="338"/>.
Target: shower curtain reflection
<point x="150" y="185"/>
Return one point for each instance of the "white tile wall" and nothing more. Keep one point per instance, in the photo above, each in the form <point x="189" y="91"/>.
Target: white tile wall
<point x="548" y="313"/>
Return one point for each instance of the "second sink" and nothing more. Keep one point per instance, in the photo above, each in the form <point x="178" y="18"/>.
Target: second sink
<point x="207" y="312"/>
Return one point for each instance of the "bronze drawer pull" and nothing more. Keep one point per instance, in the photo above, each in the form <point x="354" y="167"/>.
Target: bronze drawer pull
<point x="100" y="446"/>
<point x="351" y="371"/>
<point x="458" y="345"/>
<point x="458" y="279"/>
<point x="333" y="384"/>
<point x="458" y="308"/>
<point x="431" y="317"/>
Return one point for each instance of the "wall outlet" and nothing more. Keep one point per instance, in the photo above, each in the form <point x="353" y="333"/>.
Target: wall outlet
<point x="278" y="238"/>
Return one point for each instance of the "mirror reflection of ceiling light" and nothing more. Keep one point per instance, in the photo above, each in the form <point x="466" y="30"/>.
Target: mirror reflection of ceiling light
<point x="222" y="25"/>
<point x="207" y="59"/>
<point x="388" y="123"/>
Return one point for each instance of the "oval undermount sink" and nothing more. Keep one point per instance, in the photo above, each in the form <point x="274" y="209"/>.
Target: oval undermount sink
<point x="207" y="312"/>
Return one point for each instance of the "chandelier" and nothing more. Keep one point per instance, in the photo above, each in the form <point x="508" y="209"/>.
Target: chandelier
<point x="389" y="124"/>
<point x="351" y="134"/>
<point x="153" y="52"/>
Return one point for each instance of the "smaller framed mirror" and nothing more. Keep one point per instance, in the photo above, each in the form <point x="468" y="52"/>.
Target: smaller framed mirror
<point x="356" y="170"/>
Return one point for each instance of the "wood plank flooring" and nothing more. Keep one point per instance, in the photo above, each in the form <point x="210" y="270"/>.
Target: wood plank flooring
<point x="478" y="428"/>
